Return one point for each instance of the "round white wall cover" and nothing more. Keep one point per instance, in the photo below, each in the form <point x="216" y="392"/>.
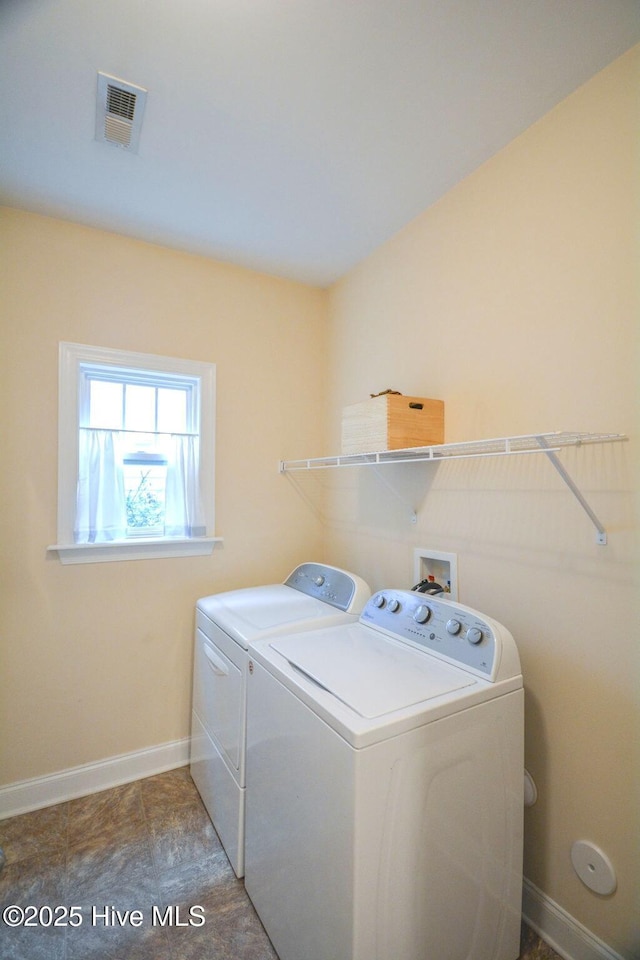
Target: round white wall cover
<point x="593" y="867"/>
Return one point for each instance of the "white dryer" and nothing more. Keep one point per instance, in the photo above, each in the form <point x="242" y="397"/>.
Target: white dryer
<point x="385" y="786"/>
<point x="313" y="596"/>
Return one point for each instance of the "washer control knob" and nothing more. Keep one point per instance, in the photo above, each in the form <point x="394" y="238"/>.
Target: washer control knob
<point x="422" y="613"/>
<point x="394" y="605"/>
<point x="453" y="627"/>
<point x="379" y="600"/>
<point x="319" y="580"/>
<point x="474" y="634"/>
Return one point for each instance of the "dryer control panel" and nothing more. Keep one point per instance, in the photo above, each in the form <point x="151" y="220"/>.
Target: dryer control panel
<point x="337" y="587"/>
<point x="447" y="629"/>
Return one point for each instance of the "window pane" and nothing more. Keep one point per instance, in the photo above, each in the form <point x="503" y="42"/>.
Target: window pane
<point x="172" y="410"/>
<point x="140" y="407"/>
<point x="105" y="404"/>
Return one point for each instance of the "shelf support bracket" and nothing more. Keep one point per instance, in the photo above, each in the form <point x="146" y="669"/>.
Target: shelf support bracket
<point x="413" y="516"/>
<point x="601" y="534"/>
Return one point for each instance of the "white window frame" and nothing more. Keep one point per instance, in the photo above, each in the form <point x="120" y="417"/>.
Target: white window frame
<point x="71" y="357"/>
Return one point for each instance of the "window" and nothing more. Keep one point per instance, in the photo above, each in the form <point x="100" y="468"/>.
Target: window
<point x="135" y="455"/>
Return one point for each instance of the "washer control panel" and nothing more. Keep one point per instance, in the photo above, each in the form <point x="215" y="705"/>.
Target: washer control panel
<point x="447" y="629"/>
<point x="324" y="583"/>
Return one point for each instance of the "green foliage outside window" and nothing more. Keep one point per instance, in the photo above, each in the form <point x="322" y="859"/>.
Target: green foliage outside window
<point x="144" y="508"/>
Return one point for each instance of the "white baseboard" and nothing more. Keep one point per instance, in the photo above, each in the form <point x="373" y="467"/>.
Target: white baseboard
<point x="559" y="929"/>
<point x="26" y="795"/>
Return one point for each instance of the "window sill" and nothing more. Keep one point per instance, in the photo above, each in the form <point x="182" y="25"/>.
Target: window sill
<point x="142" y="549"/>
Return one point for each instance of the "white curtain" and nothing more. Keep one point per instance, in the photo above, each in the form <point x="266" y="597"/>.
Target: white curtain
<point x="183" y="507"/>
<point x="101" y="513"/>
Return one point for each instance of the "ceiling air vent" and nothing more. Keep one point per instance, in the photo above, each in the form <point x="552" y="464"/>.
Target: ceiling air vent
<point x="119" y="111"/>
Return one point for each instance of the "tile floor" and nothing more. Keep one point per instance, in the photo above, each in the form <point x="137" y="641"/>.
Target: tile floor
<point x="147" y="846"/>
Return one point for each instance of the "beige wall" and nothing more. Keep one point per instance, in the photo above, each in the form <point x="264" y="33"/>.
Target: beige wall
<point x="96" y="659"/>
<point x="514" y="299"/>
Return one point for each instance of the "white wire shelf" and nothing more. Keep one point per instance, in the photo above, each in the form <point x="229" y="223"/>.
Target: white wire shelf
<point x="498" y="447"/>
<point x="547" y="443"/>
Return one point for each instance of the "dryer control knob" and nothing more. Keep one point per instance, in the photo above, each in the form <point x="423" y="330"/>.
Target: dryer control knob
<point x="380" y="600"/>
<point x="453" y="627"/>
<point x="318" y="580"/>
<point x="422" y="614"/>
<point x="474" y="634"/>
<point x="394" y="605"/>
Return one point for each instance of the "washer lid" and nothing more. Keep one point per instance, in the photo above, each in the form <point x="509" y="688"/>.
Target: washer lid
<point x="370" y="673"/>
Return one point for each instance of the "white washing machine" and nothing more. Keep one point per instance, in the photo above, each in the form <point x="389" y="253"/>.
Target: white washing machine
<point x="385" y="786"/>
<point x="314" y="595"/>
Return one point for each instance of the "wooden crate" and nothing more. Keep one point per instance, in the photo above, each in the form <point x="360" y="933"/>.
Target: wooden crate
<point x="392" y="422"/>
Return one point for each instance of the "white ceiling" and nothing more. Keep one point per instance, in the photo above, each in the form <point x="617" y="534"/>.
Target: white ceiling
<point x="290" y="136"/>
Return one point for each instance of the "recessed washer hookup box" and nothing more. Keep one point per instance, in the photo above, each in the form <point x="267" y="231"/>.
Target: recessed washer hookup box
<point x="392" y="421"/>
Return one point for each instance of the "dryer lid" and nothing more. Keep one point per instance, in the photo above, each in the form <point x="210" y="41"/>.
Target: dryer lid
<point x="368" y="672"/>
<point x="252" y="612"/>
